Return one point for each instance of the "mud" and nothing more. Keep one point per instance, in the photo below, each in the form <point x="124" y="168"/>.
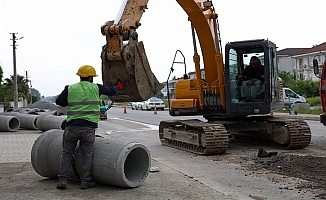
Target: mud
<point x="310" y="169"/>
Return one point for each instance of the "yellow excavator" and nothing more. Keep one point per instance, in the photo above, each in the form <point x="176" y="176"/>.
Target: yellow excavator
<point x="235" y="109"/>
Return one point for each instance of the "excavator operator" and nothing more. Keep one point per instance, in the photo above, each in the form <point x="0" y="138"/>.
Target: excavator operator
<point x="83" y="101"/>
<point x="252" y="78"/>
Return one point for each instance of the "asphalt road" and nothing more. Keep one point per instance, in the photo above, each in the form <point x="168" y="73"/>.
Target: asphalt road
<point x="181" y="175"/>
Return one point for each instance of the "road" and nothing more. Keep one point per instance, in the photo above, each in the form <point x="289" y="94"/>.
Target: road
<point x="181" y="175"/>
<point x="224" y="173"/>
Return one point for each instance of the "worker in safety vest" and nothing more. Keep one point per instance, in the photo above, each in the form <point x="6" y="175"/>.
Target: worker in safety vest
<point x="83" y="101"/>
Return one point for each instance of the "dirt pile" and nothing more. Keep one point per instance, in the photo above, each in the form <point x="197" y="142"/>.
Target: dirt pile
<point x="309" y="168"/>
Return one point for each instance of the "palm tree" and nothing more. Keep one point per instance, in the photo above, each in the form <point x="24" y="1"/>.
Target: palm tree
<point x="22" y="86"/>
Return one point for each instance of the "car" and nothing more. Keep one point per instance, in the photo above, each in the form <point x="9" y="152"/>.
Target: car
<point x="290" y="97"/>
<point x="151" y="103"/>
<point x="136" y="105"/>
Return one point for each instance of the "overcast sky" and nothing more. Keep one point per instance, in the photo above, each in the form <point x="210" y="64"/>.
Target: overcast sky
<point x="60" y="36"/>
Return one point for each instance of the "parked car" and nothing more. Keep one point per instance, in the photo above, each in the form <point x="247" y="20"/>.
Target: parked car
<point x="290" y="97"/>
<point x="136" y="105"/>
<point x="151" y="103"/>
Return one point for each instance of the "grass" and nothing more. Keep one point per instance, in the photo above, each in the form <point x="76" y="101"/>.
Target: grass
<point x="315" y="111"/>
<point x="313" y="101"/>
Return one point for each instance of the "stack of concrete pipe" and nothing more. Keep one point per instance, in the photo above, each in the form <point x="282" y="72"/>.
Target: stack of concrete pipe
<point x="33" y="120"/>
<point x="115" y="162"/>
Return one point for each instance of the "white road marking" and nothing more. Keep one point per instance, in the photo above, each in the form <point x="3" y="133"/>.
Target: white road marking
<point x="149" y="127"/>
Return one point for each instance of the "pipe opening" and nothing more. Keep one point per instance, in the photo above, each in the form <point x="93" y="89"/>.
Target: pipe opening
<point x="136" y="166"/>
<point x="14" y="123"/>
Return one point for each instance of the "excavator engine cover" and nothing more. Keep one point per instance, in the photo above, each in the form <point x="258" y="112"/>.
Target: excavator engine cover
<point x="133" y="71"/>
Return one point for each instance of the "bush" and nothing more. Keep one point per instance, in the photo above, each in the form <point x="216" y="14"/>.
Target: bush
<point x="314" y="101"/>
<point x="306" y="88"/>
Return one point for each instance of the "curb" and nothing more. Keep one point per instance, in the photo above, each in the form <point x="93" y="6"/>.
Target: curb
<point x="302" y="116"/>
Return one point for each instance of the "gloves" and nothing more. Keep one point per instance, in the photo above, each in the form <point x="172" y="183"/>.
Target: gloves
<point x="120" y="86"/>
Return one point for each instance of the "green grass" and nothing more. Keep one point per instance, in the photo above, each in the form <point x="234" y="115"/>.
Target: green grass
<point x="313" y="101"/>
<point x="316" y="111"/>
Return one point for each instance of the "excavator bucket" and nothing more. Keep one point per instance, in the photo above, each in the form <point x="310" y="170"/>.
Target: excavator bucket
<point x="133" y="71"/>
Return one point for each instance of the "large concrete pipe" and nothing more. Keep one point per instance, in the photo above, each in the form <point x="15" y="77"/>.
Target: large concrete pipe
<point x="9" y="123"/>
<point x="27" y="121"/>
<point x="46" y="153"/>
<point x="46" y="122"/>
<point x="116" y="162"/>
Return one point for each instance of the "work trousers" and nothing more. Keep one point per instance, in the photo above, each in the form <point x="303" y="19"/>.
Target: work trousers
<point x="86" y="137"/>
<point x="251" y="88"/>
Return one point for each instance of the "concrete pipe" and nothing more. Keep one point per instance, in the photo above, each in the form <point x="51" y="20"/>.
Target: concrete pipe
<point x="9" y="123"/>
<point x="46" y="122"/>
<point x="27" y="121"/>
<point x="115" y="162"/>
<point x="46" y="153"/>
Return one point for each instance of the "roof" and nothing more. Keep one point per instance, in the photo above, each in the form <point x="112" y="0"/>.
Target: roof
<point x="314" y="49"/>
<point x="290" y="51"/>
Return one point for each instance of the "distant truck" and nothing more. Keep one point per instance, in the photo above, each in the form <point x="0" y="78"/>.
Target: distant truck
<point x="322" y="88"/>
<point x="290" y="97"/>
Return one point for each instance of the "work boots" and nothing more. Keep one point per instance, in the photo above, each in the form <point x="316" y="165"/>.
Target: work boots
<point x="62" y="185"/>
<point x="86" y="185"/>
<point x="86" y="181"/>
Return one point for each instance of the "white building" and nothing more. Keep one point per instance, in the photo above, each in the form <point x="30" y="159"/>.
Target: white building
<point x="303" y="69"/>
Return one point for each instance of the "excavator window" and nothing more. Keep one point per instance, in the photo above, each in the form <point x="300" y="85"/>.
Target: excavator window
<point x="246" y="85"/>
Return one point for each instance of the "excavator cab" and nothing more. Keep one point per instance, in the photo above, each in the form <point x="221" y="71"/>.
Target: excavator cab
<point x="250" y="95"/>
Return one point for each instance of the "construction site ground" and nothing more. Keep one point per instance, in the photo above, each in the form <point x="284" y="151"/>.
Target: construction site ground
<point x="238" y="174"/>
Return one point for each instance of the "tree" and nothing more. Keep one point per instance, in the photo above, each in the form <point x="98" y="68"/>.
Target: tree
<point x="307" y="88"/>
<point x="287" y="78"/>
<point x="8" y="88"/>
<point x="159" y="95"/>
<point x="1" y="86"/>
<point x="36" y="96"/>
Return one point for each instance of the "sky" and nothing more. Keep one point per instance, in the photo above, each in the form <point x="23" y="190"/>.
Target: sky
<point x="60" y="36"/>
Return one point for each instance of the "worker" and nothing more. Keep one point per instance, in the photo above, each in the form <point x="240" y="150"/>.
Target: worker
<point x="83" y="101"/>
<point x="252" y="78"/>
<point x="255" y="70"/>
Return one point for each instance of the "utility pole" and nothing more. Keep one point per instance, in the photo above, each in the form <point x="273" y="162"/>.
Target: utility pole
<point x="15" y="71"/>
<point x="30" y="87"/>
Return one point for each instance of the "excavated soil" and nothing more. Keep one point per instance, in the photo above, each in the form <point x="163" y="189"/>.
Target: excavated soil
<point x="312" y="169"/>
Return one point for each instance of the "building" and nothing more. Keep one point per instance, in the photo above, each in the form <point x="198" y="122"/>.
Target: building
<point x="285" y="61"/>
<point x="303" y="69"/>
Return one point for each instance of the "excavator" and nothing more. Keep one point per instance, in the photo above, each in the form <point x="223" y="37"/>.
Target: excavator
<point x="233" y="109"/>
<point x="322" y="88"/>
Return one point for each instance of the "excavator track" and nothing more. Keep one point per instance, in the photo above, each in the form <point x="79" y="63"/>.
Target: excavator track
<point x="194" y="136"/>
<point x="298" y="131"/>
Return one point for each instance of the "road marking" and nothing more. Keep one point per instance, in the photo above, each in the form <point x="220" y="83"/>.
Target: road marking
<point x="149" y="127"/>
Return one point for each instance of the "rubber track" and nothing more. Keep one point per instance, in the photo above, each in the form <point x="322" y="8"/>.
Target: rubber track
<point x="300" y="133"/>
<point x="217" y="138"/>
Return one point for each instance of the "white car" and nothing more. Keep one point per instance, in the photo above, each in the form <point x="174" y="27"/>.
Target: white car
<point x="151" y="103"/>
<point x="290" y="97"/>
<point x="136" y="105"/>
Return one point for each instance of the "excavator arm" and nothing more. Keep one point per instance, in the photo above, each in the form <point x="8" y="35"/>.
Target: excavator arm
<point x="117" y="31"/>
